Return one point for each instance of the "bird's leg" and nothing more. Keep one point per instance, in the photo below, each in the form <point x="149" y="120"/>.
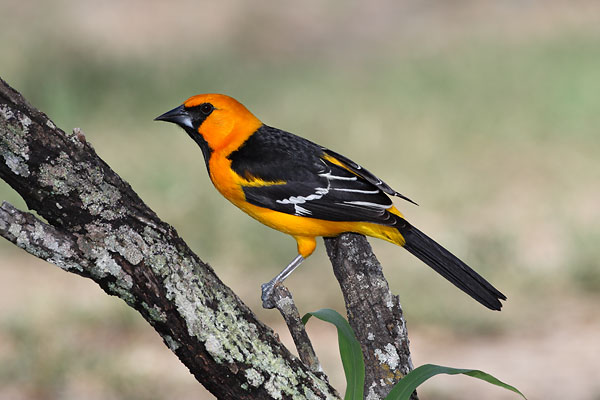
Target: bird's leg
<point x="267" y="288"/>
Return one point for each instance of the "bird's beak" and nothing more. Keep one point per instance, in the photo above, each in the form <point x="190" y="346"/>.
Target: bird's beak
<point x="178" y="115"/>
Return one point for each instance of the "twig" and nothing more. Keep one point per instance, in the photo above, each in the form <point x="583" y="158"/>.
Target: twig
<point x="285" y="304"/>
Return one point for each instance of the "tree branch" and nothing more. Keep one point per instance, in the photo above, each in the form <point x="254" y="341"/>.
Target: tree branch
<point x="374" y="313"/>
<point x="285" y="304"/>
<point x="97" y="227"/>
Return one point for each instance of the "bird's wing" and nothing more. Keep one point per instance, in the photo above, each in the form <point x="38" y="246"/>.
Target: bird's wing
<point x="359" y="170"/>
<point x="300" y="178"/>
<point x="332" y="193"/>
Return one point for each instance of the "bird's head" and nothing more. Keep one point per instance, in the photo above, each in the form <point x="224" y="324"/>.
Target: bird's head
<point x="214" y="121"/>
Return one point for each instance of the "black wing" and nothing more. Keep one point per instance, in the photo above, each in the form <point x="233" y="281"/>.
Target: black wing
<point x="309" y="180"/>
<point x="359" y="170"/>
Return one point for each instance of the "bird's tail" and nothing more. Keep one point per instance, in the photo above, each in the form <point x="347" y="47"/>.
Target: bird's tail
<point x="449" y="266"/>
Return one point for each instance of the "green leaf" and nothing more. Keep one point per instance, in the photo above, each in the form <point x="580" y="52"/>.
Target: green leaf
<point x="403" y="389"/>
<point x="350" y="351"/>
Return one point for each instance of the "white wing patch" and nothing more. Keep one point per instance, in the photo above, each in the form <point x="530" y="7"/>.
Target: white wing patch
<point x="297" y="201"/>
<point x="301" y="210"/>
<point x="358" y="190"/>
<point x="319" y="192"/>
<point x="369" y="204"/>
<point x="335" y="177"/>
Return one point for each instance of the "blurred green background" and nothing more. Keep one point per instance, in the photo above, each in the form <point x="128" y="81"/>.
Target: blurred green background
<point x="485" y="113"/>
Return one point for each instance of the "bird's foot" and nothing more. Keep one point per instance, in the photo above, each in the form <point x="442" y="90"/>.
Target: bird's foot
<point x="268" y="301"/>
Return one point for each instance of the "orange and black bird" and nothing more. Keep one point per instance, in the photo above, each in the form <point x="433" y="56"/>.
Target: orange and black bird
<point x="305" y="190"/>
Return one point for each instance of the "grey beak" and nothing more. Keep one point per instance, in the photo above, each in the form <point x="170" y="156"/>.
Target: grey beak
<point x="178" y="115"/>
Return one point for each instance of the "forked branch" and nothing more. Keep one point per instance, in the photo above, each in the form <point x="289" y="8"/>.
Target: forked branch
<point x="93" y="224"/>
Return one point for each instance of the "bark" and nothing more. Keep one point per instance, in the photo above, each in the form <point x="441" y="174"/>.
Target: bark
<point x="90" y="222"/>
<point x="374" y="313"/>
<point x="285" y="304"/>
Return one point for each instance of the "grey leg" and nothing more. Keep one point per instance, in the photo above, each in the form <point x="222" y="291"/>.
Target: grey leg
<point x="267" y="288"/>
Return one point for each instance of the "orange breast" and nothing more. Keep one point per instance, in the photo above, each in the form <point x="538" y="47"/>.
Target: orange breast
<point x="227" y="182"/>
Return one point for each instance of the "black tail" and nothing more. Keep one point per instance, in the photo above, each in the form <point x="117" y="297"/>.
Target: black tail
<point x="449" y="266"/>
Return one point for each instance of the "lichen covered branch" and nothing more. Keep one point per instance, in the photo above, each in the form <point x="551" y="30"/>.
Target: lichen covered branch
<point x="285" y="304"/>
<point x="38" y="238"/>
<point x="97" y="226"/>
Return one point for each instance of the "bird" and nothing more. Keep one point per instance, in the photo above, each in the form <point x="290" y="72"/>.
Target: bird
<point x="305" y="190"/>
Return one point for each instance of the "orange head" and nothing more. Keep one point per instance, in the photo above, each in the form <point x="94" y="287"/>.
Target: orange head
<point x="214" y="121"/>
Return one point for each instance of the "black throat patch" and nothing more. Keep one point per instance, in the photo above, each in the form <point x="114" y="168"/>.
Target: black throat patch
<point x="199" y="139"/>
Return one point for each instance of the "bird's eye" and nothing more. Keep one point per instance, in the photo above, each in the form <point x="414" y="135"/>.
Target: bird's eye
<point x="206" y="108"/>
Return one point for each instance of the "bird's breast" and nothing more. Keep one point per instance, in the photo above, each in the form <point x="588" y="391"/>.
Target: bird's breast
<point x="225" y="180"/>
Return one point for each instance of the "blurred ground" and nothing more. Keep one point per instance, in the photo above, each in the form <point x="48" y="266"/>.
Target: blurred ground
<point x="485" y="113"/>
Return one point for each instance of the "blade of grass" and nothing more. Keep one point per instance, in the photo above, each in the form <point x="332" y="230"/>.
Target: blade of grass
<point x="403" y="389"/>
<point x="350" y="351"/>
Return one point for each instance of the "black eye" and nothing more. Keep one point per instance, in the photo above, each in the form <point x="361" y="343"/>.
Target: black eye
<point x="206" y="108"/>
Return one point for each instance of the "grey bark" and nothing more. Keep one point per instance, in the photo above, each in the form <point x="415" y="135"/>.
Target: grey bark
<point x="90" y="222"/>
<point x="374" y="313"/>
<point x="285" y="304"/>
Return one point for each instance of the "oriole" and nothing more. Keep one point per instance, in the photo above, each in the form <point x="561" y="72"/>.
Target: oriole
<point x="305" y="190"/>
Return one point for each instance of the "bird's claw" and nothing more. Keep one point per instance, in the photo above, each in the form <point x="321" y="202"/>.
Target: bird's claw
<point x="267" y="295"/>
